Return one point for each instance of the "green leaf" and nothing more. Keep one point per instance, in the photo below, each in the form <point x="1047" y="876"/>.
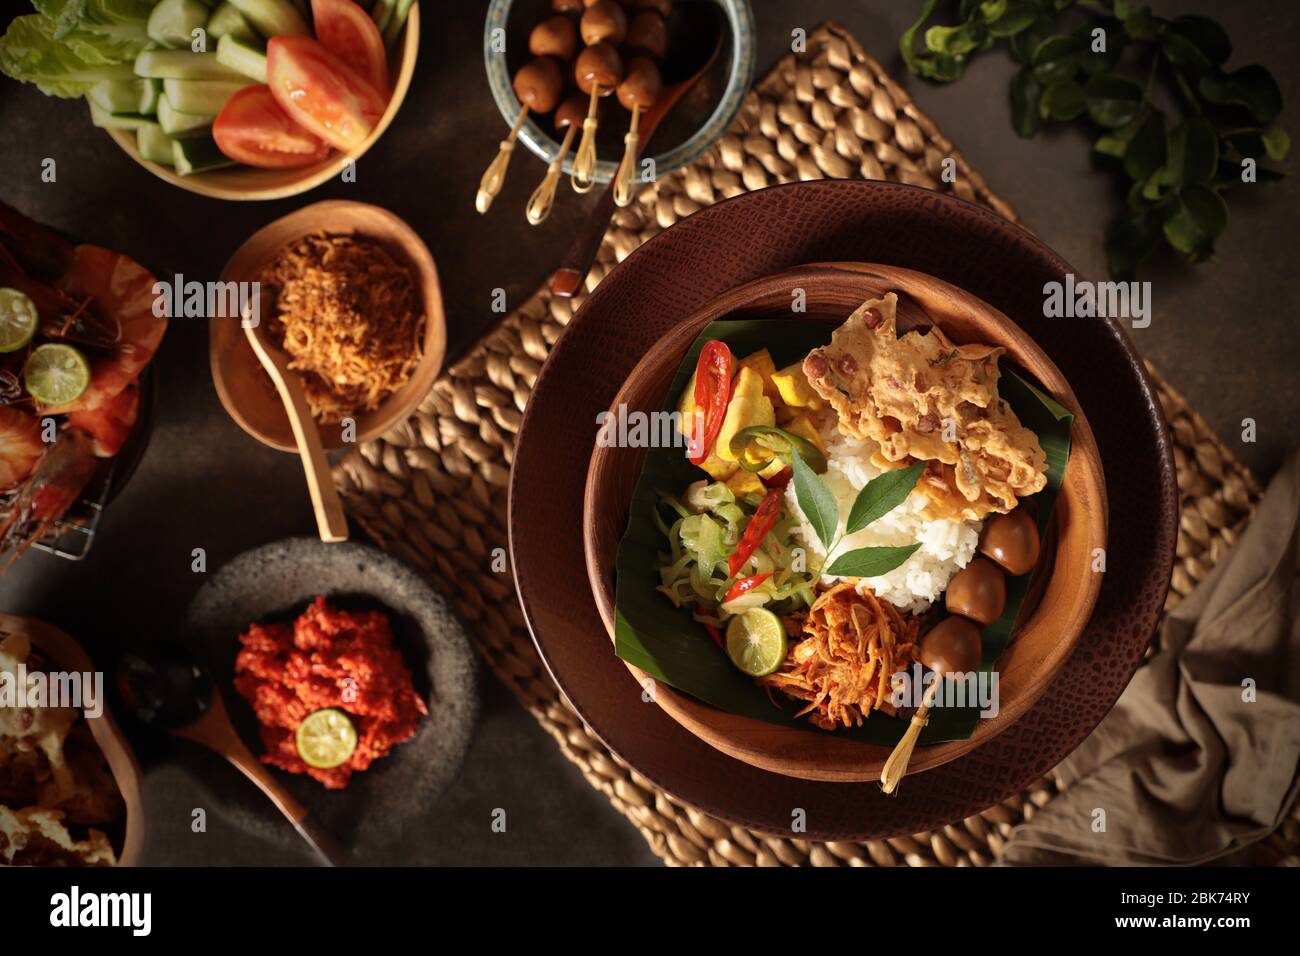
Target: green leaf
<point x="1113" y="40"/>
<point x="907" y="42"/>
<point x="1141" y="25"/>
<point x="1018" y="17"/>
<point x="954" y="41"/>
<point x="882" y="495"/>
<point x="1112" y="100"/>
<point x="1056" y="59"/>
<point x="1252" y="87"/>
<point x="1062" y="101"/>
<point x="1110" y="145"/>
<point x="1193" y="149"/>
<point x="1146" y="150"/>
<point x="1277" y="143"/>
<point x="1024" y="43"/>
<point x="815" y="501"/>
<point x="1025" y="94"/>
<point x="939" y="67"/>
<point x="1196" y="218"/>
<point x="871" y="562"/>
<point x="992" y="10"/>
<point x="1196" y="42"/>
<point x="1130" y="240"/>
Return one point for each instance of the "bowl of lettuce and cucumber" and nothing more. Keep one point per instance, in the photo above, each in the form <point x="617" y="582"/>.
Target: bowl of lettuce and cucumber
<point x="155" y="74"/>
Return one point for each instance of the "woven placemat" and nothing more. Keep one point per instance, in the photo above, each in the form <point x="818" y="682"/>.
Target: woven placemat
<point x="434" y="489"/>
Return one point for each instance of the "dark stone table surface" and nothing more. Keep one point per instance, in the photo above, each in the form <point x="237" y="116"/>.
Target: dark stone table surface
<point x="1223" y="333"/>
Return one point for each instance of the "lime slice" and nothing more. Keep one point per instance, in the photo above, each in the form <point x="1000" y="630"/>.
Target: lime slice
<point x="56" y="373"/>
<point x="756" y="642"/>
<point x="18" y="320"/>
<point x="326" y="738"/>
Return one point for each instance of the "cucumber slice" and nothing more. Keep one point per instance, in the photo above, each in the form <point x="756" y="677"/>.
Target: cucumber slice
<point x="122" y="96"/>
<point x="198" y="154"/>
<point x="396" y="22"/>
<point x="182" y="65"/>
<point x="155" y="145"/>
<point x="272" y="17"/>
<point x="382" y="13"/>
<point x="241" y="56"/>
<point x="201" y="97"/>
<point x="173" y="22"/>
<point x="106" y="120"/>
<point x="151" y="95"/>
<point x="174" y="123"/>
<point x="226" y="21"/>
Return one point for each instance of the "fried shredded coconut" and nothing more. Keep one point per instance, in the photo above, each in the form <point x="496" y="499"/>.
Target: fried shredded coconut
<point x="854" y="644"/>
<point x="919" y="396"/>
<point x="328" y="658"/>
<point x="350" y="318"/>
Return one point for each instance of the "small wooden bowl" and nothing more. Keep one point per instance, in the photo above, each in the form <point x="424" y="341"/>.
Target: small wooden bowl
<point x="60" y="648"/>
<point x="1039" y="646"/>
<point x="249" y="182"/>
<point x="243" y="386"/>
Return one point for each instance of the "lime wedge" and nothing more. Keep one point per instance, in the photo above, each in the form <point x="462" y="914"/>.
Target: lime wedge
<point x="756" y="642"/>
<point x="56" y="373"/>
<point x="18" y="320"/>
<point x="326" y="738"/>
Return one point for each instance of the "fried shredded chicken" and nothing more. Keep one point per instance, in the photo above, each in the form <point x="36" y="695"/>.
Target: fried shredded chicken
<point x="843" y="667"/>
<point x="920" y="397"/>
<point x="350" y="318"/>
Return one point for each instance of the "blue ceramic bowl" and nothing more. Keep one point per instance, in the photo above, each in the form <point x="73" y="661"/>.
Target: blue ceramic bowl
<point x="740" y="74"/>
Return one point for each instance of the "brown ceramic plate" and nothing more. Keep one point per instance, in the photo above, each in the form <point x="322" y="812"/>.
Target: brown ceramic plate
<point x="63" y="650"/>
<point x="1047" y="630"/>
<point x="243" y="385"/>
<point x="762" y="233"/>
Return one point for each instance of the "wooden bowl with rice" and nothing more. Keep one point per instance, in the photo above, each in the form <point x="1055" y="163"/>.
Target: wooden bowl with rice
<point x="384" y="373"/>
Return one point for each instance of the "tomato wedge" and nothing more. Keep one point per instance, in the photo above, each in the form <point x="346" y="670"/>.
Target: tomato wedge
<point x="252" y="128"/>
<point x="745" y="585"/>
<point x="769" y="509"/>
<point x="321" y="92"/>
<point x="347" y="31"/>
<point x="712" y="395"/>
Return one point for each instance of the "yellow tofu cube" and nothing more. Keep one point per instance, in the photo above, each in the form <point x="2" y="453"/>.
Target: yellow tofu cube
<point x="794" y="388"/>
<point x="749" y="406"/>
<point x="804" y="428"/>
<point x="744" y="482"/>
<point x="761" y="362"/>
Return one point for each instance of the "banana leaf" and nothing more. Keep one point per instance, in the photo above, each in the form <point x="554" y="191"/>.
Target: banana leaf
<point x="669" y="646"/>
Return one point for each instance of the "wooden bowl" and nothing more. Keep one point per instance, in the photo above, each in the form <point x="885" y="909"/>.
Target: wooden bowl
<point x="243" y="386"/>
<point x="60" y="648"/>
<point x="249" y="182"/>
<point x="1043" y="639"/>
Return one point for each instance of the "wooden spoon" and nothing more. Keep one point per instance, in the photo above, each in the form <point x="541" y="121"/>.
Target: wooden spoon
<point x="567" y="279"/>
<point x="331" y="522"/>
<point x="169" y="690"/>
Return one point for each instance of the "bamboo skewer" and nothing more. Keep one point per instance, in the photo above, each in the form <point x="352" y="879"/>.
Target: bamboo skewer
<point x="584" y="161"/>
<point x="494" y="176"/>
<point x="543" y="197"/>
<point x="623" y="188"/>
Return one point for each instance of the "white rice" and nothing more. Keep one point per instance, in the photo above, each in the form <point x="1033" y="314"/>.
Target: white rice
<point x="946" y="546"/>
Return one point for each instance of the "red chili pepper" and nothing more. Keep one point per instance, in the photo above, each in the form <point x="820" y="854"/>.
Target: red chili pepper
<point x="714" y="633"/>
<point x="744" y="585"/>
<point x="712" y="395"/>
<point x="769" y="509"/>
<point x="780" y="479"/>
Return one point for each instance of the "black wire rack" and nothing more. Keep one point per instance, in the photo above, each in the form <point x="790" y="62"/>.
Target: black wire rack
<point x="72" y="536"/>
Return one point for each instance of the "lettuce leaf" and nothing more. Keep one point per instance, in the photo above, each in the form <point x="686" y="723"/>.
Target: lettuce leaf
<point x="70" y="45"/>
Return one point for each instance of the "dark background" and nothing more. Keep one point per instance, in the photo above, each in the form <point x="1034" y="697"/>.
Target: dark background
<point x="1222" y="334"/>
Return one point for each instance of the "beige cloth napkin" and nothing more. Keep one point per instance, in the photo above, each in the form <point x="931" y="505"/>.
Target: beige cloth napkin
<point x="1184" y="768"/>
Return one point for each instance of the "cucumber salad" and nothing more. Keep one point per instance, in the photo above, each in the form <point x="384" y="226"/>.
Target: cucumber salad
<point x="206" y="84"/>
